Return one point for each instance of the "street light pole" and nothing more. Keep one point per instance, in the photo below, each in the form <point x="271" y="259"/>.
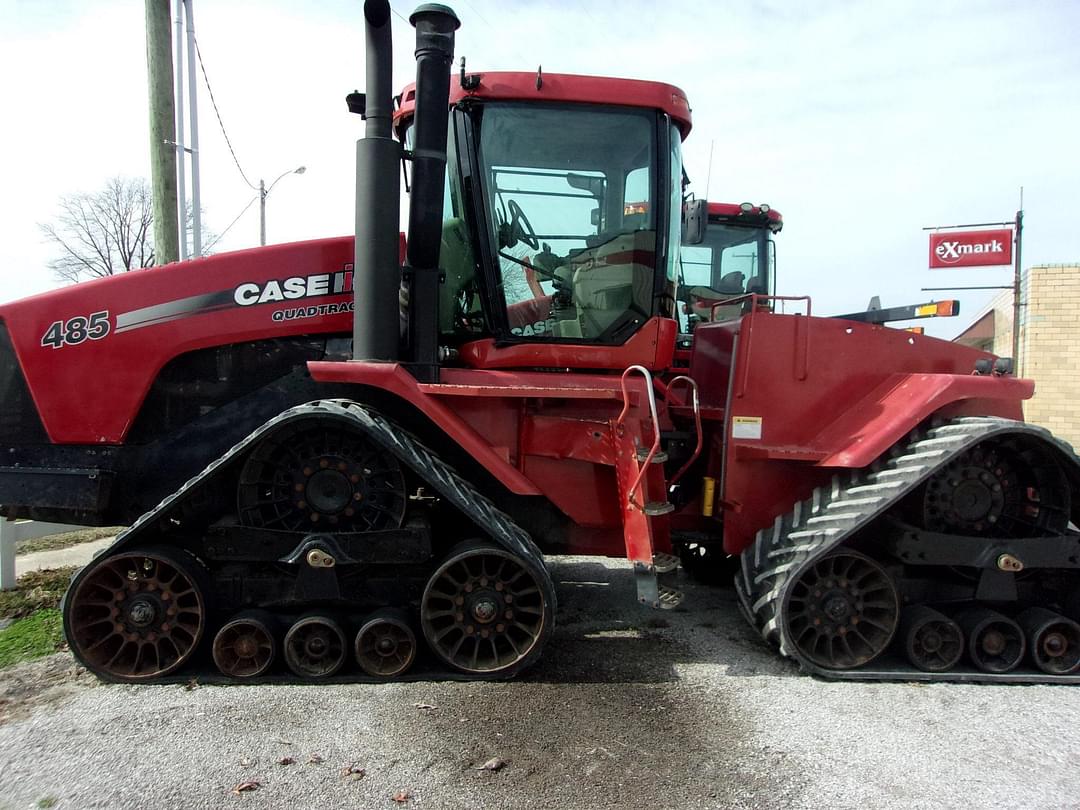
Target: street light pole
<point x="264" y="192"/>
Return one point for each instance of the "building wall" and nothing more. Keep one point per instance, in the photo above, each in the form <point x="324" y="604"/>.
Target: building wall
<point x="1050" y="347"/>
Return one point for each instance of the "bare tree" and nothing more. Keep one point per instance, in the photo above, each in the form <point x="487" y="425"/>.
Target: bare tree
<point x="103" y="233"/>
<point x="106" y="232"/>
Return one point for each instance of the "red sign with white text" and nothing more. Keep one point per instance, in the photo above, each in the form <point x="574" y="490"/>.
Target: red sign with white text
<point x="971" y="248"/>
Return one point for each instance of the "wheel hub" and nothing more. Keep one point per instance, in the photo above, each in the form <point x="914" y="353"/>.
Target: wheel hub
<point x="484" y="608"/>
<point x="993" y="642"/>
<point x="329" y="491"/>
<point x="142" y="612"/>
<point x="1055" y="645"/>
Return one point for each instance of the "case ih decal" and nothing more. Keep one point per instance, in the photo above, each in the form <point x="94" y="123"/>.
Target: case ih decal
<point x="294" y="287"/>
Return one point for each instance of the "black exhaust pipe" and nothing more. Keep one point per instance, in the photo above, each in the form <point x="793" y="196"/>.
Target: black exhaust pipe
<point x="435" y="26"/>
<point x="376" y="258"/>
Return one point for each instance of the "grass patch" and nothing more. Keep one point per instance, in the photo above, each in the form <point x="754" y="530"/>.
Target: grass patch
<point x="32" y="637"/>
<point x="35" y="590"/>
<point x="67" y="539"/>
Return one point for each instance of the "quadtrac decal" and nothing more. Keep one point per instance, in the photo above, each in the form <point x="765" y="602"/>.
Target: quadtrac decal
<point x="75" y="330"/>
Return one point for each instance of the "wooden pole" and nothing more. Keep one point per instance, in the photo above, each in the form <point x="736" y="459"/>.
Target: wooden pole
<point x="159" y="67"/>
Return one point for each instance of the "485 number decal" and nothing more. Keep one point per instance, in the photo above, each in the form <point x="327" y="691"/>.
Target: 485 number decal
<point x="75" y="330"/>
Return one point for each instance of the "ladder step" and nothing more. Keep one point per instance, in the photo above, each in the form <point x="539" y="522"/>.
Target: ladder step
<point x="664" y="563"/>
<point x="643" y="453"/>
<point x="670" y="597"/>
<point x="656" y="508"/>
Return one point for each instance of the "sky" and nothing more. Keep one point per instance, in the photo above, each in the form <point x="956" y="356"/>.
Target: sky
<point x="862" y="122"/>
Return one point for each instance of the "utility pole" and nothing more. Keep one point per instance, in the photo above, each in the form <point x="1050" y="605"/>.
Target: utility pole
<point x="1017" y="274"/>
<point x="162" y="130"/>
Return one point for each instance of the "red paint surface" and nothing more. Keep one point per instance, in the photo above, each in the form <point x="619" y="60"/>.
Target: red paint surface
<point x="971" y="248"/>
<point x="66" y="382"/>
<point x="830" y="394"/>
<point x="652" y="346"/>
<point x="519" y="86"/>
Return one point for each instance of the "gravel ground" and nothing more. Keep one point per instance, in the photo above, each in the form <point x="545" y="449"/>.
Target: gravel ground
<point x="629" y="708"/>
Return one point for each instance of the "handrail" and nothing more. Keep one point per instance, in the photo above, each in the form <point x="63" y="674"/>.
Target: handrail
<point x="656" y="426"/>
<point x="697" y="425"/>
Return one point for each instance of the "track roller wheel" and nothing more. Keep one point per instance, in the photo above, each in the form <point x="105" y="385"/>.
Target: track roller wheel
<point x="486" y="611"/>
<point x="136" y="615"/>
<point x="995" y="642"/>
<point x="843" y="610"/>
<point x="315" y="646"/>
<point x="245" y="647"/>
<point x="933" y="642"/>
<point x="1053" y="640"/>
<point x="386" y="645"/>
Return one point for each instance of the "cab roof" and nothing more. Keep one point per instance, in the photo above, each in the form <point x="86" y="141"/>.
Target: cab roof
<point x="519" y="86"/>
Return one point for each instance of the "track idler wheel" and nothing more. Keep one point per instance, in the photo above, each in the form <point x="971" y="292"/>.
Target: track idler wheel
<point x="245" y="647"/>
<point x="315" y="646"/>
<point x="995" y="642"/>
<point x="1053" y="640"/>
<point x="136" y="615"/>
<point x="385" y="646"/>
<point x="486" y="611"/>
<point x="843" y="610"/>
<point x="933" y="642"/>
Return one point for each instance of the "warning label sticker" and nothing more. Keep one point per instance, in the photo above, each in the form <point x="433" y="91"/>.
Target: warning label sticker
<point x="746" y="427"/>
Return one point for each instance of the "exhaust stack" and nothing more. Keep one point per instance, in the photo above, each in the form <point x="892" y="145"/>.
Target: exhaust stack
<point x="376" y="258"/>
<point x="435" y="26"/>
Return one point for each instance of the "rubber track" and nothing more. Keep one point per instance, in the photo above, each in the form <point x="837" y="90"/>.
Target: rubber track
<point x="833" y="514"/>
<point x="391" y="437"/>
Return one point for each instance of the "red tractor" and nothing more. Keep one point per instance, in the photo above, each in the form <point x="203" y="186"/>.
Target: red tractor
<point x="340" y="454"/>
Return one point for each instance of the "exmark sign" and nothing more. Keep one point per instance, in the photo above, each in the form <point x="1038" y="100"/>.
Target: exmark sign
<point x="971" y="248"/>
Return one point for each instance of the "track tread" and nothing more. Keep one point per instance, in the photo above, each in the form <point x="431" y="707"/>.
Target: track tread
<point x="781" y="552"/>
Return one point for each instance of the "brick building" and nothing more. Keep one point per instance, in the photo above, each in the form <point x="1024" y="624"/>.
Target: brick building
<point x="1049" y="343"/>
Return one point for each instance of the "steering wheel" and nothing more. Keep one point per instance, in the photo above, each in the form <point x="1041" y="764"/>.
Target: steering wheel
<point x="520" y="227"/>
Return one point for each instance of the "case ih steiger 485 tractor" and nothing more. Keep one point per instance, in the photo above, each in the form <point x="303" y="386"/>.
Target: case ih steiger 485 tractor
<point x="515" y="385"/>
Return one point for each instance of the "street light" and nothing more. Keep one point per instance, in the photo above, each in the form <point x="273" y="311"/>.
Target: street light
<point x="264" y="192"/>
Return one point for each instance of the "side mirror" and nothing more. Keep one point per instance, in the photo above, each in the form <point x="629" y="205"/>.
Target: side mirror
<point x="695" y="216"/>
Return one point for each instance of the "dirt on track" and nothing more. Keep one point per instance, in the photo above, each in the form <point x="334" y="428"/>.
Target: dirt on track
<point x="628" y="708"/>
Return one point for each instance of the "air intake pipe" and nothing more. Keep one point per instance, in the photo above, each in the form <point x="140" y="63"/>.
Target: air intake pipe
<point x="376" y="256"/>
<point x="435" y="26"/>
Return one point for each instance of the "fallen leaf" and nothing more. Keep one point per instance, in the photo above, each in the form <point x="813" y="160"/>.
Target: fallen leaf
<point x="354" y="772"/>
<point x="244" y="787"/>
<point x="493" y="764"/>
<point x="286" y="761"/>
<point x="425" y="706"/>
<point x="314" y="759"/>
<point x="402" y="796"/>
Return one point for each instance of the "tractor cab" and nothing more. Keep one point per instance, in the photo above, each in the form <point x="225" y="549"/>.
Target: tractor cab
<point x="736" y="258"/>
<point x="561" y="215"/>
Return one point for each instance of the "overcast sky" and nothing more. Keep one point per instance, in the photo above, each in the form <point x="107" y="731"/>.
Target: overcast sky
<point x="860" y="122"/>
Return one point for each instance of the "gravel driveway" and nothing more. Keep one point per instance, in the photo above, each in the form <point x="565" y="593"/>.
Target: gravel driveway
<point x="629" y="708"/>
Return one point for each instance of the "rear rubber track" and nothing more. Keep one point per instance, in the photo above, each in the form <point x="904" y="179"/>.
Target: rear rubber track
<point x="834" y="514"/>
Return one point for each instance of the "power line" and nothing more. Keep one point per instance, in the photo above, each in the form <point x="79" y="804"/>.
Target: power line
<point x="237" y="219"/>
<point x="221" y="123"/>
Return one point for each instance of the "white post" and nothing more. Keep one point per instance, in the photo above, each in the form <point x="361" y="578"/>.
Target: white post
<point x="7" y="553"/>
<point x="181" y="171"/>
<point x="193" y="114"/>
